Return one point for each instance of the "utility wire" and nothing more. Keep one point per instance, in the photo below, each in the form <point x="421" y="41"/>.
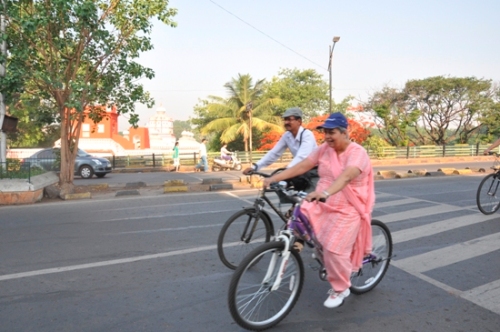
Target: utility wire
<point x="265" y="34"/>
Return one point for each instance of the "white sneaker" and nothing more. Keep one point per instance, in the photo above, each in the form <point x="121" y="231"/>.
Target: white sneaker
<point x="336" y="299"/>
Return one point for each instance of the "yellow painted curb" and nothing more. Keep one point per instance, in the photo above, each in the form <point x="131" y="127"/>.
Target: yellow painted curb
<point x="68" y="197"/>
<point x="462" y="171"/>
<point x="174" y="189"/>
<point x="98" y="186"/>
<point x="447" y="171"/>
<point x="387" y="174"/>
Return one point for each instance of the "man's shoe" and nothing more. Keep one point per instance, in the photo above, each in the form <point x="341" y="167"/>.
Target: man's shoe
<point x="336" y="299"/>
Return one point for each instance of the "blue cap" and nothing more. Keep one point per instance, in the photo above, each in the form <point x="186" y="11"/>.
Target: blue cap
<point x="335" y="120"/>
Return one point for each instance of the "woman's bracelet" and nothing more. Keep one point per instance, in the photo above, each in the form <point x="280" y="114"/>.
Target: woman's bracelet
<point x="326" y="193"/>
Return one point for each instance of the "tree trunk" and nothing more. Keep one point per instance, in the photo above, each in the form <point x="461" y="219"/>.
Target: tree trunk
<point x="67" y="156"/>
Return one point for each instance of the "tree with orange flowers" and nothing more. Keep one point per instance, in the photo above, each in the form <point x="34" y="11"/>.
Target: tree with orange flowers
<point x="357" y="132"/>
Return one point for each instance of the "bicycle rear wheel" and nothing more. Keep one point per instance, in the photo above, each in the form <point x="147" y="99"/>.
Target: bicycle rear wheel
<point x="373" y="270"/>
<point x="242" y="233"/>
<point x="252" y="302"/>
<point x="488" y="194"/>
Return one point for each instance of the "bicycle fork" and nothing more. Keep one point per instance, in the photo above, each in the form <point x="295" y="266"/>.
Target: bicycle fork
<point x="285" y="255"/>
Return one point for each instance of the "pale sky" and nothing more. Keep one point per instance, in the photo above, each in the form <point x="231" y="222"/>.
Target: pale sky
<point x="384" y="42"/>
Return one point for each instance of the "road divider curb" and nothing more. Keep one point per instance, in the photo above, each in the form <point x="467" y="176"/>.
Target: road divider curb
<point x="174" y="186"/>
<point x="438" y="173"/>
<point x="387" y="174"/>
<point x="402" y="175"/>
<point x="476" y="169"/>
<point x="68" y="197"/>
<point x="127" y="192"/>
<point x="462" y="171"/>
<point x="418" y="171"/>
<point x="447" y="171"/>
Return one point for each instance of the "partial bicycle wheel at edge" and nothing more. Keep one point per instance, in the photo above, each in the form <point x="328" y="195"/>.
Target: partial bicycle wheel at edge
<point x="240" y="235"/>
<point x="252" y="302"/>
<point x="488" y="194"/>
<point x="372" y="272"/>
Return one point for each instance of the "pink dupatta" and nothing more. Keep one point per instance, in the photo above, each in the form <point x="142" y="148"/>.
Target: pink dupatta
<point x="363" y="244"/>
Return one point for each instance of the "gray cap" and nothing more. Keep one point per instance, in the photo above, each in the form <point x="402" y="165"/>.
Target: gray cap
<point x="294" y="111"/>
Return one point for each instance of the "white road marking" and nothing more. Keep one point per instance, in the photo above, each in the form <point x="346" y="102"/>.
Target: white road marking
<point x="451" y="254"/>
<point x="104" y="263"/>
<point x="439" y="227"/>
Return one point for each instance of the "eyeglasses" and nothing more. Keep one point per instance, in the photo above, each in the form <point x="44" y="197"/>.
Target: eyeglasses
<point x="288" y="119"/>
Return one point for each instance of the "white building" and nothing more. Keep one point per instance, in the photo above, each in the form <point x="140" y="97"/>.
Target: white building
<point x="161" y="130"/>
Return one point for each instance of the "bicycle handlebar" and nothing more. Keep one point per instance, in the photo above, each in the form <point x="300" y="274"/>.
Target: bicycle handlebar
<point x="264" y="175"/>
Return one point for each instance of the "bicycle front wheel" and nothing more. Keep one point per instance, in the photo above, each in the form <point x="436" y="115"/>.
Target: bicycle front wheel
<point x="488" y="196"/>
<point x="374" y="266"/>
<point x="252" y="302"/>
<point x="242" y="232"/>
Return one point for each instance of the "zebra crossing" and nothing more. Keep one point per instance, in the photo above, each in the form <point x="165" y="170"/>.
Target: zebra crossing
<point x="412" y="220"/>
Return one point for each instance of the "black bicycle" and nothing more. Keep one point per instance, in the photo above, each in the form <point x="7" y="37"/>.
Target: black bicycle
<point x="250" y="227"/>
<point x="488" y="196"/>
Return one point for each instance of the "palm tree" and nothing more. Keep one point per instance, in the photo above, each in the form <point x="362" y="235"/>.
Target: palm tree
<point x="232" y="116"/>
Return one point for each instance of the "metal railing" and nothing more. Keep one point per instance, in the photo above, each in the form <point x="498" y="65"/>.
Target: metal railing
<point x="16" y="169"/>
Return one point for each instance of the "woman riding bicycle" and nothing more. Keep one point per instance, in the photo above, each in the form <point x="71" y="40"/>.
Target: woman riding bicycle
<point x="342" y="224"/>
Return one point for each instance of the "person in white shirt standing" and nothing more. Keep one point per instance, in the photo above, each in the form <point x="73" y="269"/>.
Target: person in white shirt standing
<point x="203" y="156"/>
<point x="301" y="142"/>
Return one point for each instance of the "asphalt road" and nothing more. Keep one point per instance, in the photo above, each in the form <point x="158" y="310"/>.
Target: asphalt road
<point x="149" y="263"/>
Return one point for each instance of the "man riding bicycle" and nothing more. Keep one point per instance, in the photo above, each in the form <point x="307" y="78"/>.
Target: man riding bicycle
<point x="300" y="141"/>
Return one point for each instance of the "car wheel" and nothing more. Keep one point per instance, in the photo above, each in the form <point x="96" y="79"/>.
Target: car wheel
<point x="86" y="172"/>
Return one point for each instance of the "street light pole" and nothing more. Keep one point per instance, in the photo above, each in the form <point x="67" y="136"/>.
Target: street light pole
<point x="3" y="50"/>
<point x="249" y="110"/>
<point x="335" y="40"/>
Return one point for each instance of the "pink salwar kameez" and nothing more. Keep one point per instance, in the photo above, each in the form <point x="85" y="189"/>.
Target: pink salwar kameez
<point x="342" y="223"/>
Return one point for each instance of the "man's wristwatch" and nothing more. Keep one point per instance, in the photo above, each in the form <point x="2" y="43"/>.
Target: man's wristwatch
<point x="326" y="193"/>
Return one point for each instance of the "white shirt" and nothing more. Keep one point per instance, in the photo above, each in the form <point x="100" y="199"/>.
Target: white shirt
<point x="299" y="150"/>
<point x="203" y="150"/>
<point x="224" y="152"/>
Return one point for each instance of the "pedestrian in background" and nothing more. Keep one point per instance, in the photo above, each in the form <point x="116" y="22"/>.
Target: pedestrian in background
<point x="203" y="156"/>
<point x="175" y="156"/>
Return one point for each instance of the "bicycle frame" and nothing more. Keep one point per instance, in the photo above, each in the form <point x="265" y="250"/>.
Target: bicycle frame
<point x="259" y="207"/>
<point x="299" y="227"/>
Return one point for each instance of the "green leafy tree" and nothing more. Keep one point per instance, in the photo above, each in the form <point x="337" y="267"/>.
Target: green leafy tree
<point x="490" y="119"/>
<point x="393" y="115"/>
<point x="299" y="88"/>
<point x="180" y="126"/>
<point x="35" y="125"/>
<point x="79" y="55"/>
<point x="231" y="116"/>
<point x="449" y="107"/>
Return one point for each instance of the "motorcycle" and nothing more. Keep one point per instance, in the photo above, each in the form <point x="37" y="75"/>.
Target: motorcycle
<point x="226" y="165"/>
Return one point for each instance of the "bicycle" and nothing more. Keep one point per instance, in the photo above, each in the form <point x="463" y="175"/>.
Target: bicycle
<point x="248" y="228"/>
<point x="267" y="283"/>
<point x="487" y="196"/>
